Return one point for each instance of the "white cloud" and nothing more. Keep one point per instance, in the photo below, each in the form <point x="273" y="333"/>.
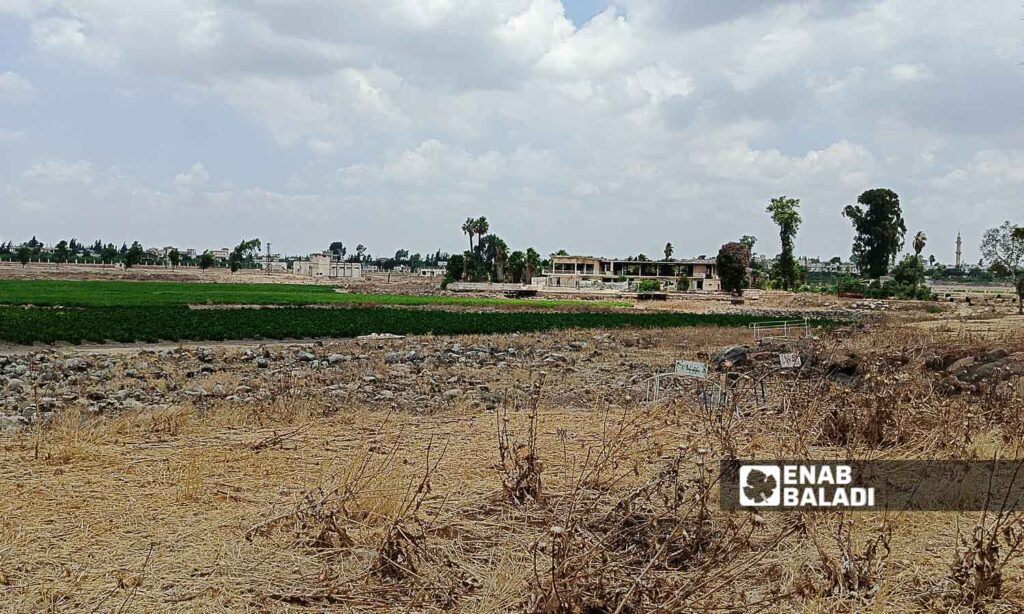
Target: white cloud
<point x="193" y="178"/>
<point x="773" y="54"/>
<point x="60" y="171"/>
<point x="322" y="148"/>
<point x="537" y="29"/>
<point x="909" y="72"/>
<point x="15" y="89"/>
<point x="8" y="136"/>
<point x="653" y="109"/>
<point x="661" y="81"/>
<point x="68" y="37"/>
<point x="606" y="43"/>
<point x="24" y="8"/>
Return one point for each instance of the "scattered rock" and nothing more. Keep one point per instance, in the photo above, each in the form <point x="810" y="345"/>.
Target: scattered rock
<point x="734" y="356"/>
<point x="76" y="364"/>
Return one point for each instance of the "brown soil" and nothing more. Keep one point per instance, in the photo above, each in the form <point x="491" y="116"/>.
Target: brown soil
<point x="368" y="485"/>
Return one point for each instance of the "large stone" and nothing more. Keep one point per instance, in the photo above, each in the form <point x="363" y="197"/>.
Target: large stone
<point x="734" y="356"/>
<point x="847" y="365"/>
<point x="76" y="364"/>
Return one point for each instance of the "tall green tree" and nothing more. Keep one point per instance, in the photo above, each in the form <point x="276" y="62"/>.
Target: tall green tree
<point x="109" y="253"/>
<point x="481" y="227"/>
<point x="456" y="267"/>
<point x="669" y="250"/>
<point x="338" y="249"/>
<point x="24" y="254"/>
<point x="878" y="221"/>
<point x="786" y="215"/>
<point x="920" y="240"/>
<point x="1003" y="248"/>
<point x="244" y="252"/>
<point x="133" y="255"/>
<point x="61" y="251"/>
<point x="748" y="241"/>
<point x="910" y="271"/>
<point x="732" y="262"/>
<point x="174" y="256"/>
<point x="206" y="260"/>
<point x="517" y="266"/>
<point x="469" y="228"/>
<point x="533" y="264"/>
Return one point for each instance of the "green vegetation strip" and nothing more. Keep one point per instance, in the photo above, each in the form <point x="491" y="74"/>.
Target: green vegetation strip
<point x="49" y="293"/>
<point x="175" y="323"/>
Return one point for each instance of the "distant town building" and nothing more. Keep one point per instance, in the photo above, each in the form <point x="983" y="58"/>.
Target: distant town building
<point x="425" y="272"/>
<point x="577" y="271"/>
<point x="816" y="266"/>
<point x="274" y="265"/>
<point x="220" y="254"/>
<point x="958" y="252"/>
<point x="326" y="265"/>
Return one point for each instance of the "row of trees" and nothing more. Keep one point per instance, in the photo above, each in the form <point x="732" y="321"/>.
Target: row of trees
<point x="490" y="259"/>
<point x="1003" y="248"/>
<point x="242" y="256"/>
<point x="402" y="257"/>
<point x="879" y="233"/>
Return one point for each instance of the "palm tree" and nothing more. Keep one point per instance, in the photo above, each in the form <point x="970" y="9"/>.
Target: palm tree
<point x="469" y="227"/>
<point x="500" y="259"/>
<point x="919" y="240"/>
<point x="480" y="226"/>
<point x="668" y="251"/>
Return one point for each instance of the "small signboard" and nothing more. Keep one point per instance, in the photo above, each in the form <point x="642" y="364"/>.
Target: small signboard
<point x="790" y="361"/>
<point x="691" y="369"/>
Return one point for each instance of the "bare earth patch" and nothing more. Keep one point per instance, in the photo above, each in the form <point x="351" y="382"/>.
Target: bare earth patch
<point x="490" y="473"/>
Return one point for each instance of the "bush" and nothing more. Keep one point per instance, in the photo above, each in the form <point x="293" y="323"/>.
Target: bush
<point x="648" y="285"/>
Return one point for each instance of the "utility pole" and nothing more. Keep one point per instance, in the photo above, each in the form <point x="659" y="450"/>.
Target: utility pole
<point x="958" y="243"/>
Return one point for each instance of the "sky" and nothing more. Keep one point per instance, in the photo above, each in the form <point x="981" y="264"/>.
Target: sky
<point x="603" y="128"/>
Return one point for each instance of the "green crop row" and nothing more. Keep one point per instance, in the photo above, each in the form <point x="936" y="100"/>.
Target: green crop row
<point x="26" y="325"/>
<point x="128" y="293"/>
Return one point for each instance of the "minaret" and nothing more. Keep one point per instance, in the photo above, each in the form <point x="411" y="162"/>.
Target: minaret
<point x="958" y="242"/>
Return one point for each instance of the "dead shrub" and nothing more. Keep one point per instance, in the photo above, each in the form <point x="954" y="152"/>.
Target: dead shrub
<point x="849" y="572"/>
<point x="520" y="466"/>
<point x="976" y="576"/>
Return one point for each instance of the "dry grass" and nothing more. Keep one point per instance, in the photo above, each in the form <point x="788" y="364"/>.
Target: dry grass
<point x="303" y="503"/>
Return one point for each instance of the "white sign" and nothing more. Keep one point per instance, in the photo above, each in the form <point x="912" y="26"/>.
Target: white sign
<point x="691" y="369"/>
<point x="790" y="361"/>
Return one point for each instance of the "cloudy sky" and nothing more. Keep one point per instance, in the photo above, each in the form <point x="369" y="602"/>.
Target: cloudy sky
<point x="594" y="126"/>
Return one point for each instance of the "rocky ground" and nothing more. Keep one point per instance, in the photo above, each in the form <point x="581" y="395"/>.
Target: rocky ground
<point x="530" y="472"/>
<point x="421" y="375"/>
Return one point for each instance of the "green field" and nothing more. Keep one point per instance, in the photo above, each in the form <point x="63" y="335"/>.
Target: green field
<point x="26" y="325"/>
<point x="99" y="311"/>
<point x="161" y="293"/>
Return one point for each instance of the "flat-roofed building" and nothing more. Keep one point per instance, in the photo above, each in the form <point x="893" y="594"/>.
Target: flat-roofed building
<point x="580" y="271"/>
<point x="326" y="265"/>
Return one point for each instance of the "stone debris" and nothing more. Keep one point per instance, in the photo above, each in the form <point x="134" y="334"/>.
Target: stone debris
<point x="417" y="375"/>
